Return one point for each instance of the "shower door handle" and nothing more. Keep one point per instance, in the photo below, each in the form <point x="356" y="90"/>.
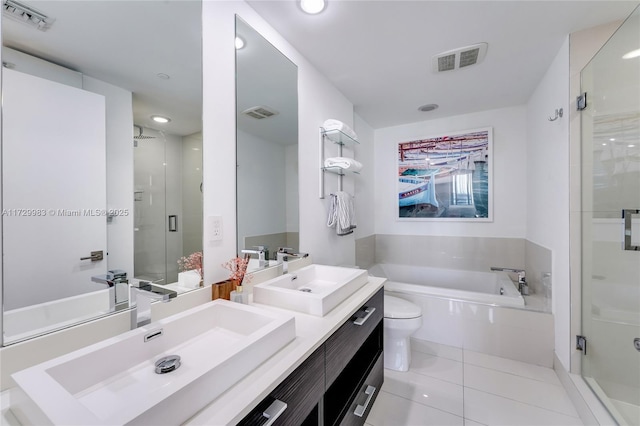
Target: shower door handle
<point x="628" y="229"/>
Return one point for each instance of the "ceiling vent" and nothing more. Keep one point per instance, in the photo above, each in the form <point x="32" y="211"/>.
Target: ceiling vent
<point x="260" y="112"/>
<point x="27" y="15"/>
<point x="459" y="58"/>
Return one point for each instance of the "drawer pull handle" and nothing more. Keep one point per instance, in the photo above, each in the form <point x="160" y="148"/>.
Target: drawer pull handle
<point x="360" y="409"/>
<point x="274" y="411"/>
<point x="364" y="319"/>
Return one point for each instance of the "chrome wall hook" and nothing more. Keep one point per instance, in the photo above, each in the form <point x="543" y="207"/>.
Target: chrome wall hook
<point x="559" y="113"/>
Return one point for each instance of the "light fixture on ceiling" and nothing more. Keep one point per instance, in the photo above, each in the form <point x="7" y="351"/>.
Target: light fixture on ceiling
<point x="160" y="119"/>
<point x="19" y="12"/>
<point x="239" y="43"/>
<point x="428" y="107"/>
<point x="632" y="54"/>
<point x="312" y="7"/>
<point x="163" y="76"/>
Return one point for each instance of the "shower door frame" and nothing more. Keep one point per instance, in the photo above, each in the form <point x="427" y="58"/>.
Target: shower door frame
<point x="604" y="33"/>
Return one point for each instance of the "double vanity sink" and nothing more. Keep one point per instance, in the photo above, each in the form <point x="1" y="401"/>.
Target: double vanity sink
<point x="166" y="372"/>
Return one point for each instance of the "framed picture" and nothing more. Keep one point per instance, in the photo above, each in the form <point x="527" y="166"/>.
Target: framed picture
<point x="446" y="177"/>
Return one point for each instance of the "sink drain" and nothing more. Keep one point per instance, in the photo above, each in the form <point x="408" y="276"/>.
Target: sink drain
<point x="167" y="364"/>
<point x="305" y="290"/>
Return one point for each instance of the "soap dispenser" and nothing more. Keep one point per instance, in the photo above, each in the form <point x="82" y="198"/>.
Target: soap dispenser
<point x="239" y="296"/>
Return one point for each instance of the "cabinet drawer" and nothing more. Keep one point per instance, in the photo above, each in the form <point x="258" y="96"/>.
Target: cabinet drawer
<point x="301" y="391"/>
<point x="361" y="405"/>
<point x="346" y="341"/>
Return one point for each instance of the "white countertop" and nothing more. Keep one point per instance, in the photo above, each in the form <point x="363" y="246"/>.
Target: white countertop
<point x="311" y="332"/>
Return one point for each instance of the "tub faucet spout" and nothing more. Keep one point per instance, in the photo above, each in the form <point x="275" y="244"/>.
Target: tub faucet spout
<point x="523" y="287"/>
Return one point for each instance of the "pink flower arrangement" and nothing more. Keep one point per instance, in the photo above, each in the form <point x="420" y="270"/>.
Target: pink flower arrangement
<point x="238" y="267"/>
<point x="192" y="262"/>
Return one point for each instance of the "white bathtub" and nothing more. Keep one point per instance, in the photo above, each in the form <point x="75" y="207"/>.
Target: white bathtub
<point x="19" y="324"/>
<point x="492" y="288"/>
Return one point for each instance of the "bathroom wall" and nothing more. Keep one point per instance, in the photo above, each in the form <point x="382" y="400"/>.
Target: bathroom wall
<point x="263" y="168"/>
<point x="191" y="194"/>
<point x="318" y="100"/>
<point x="509" y="175"/>
<point x="548" y="186"/>
<point x="119" y="170"/>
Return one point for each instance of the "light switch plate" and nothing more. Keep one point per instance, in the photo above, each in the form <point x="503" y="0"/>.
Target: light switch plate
<point x="215" y="228"/>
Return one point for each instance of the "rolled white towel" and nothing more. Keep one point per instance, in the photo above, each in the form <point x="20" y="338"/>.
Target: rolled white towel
<point x="332" y="124"/>
<point x="345" y="163"/>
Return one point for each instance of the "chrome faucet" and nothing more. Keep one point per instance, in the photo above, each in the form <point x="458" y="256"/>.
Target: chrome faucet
<point x="263" y="255"/>
<point x="112" y="279"/>
<point x="141" y="298"/>
<point x="523" y="287"/>
<point x="284" y="255"/>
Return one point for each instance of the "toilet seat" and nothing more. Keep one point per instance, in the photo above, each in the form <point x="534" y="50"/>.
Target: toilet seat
<point x="396" y="308"/>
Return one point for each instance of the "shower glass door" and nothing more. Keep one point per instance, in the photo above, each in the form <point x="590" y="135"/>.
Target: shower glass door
<point x="611" y="222"/>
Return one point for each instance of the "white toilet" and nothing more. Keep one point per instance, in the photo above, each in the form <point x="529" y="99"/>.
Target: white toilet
<point x="401" y="319"/>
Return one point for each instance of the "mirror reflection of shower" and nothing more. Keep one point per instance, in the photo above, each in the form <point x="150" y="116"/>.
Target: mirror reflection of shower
<point x="167" y="202"/>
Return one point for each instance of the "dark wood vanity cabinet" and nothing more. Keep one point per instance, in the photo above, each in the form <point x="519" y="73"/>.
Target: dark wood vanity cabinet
<point x="338" y="383"/>
<point x="301" y="391"/>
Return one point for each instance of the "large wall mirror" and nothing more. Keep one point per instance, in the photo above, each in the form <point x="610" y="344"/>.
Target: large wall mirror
<point x="91" y="183"/>
<point x="267" y="144"/>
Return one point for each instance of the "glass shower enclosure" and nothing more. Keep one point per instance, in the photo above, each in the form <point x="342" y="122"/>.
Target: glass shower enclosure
<point x="611" y="222"/>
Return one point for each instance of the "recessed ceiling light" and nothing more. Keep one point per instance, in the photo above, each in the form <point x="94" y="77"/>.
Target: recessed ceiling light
<point x="428" y="107"/>
<point x="604" y="144"/>
<point x="239" y="43"/>
<point x="312" y="7"/>
<point x="631" y="146"/>
<point x="612" y="139"/>
<point x="632" y="54"/>
<point x="163" y="76"/>
<point x="160" y="119"/>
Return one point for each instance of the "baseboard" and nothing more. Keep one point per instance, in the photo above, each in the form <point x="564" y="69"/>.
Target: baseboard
<point x="588" y="406"/>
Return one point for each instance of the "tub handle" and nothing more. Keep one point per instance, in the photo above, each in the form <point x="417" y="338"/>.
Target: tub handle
<point x="360" y="409"/>
<point x="362" y="320"/>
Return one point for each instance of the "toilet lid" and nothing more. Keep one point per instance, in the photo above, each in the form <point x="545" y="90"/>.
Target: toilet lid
<point x="394" y="307"/>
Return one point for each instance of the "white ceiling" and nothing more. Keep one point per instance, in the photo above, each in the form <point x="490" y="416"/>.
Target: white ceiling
<point x="378" y="53"/>
<point x="127" y="43"/>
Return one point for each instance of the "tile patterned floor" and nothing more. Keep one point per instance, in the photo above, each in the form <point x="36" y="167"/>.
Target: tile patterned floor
<point x="451" y="386"/>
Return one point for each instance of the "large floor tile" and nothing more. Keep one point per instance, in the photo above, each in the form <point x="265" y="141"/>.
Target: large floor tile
<point x="495" y="410"/>
<point x="392" y="410"/>
<point x="468" y="422"/>
<point x="425" y="390"/>
<point x="437" y="367"/>
<point x="437" y="349"/>
<point x="518" y="368"/>
<point x="522" y="389"/>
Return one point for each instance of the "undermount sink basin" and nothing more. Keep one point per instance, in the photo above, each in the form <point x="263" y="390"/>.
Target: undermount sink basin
<point x="115" y="381"/>
<point x="314" y="289"/>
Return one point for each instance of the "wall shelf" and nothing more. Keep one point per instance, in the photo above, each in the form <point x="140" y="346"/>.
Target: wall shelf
<point x="341" y="139"/>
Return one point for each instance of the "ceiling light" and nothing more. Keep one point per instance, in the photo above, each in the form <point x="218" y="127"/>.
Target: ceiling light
<point x="163" y="76"/>
<point x="604" y="144"/>
<point x="612" y="139"/>
<point x="17" y="11"/>
<point x="632" y="54"/>
<point x="239" y="43"/>
<point x="630" y="146"/>
<point x="312" y="7"/>
<point x="160" y="119"/>
<point x="428" y="107"/>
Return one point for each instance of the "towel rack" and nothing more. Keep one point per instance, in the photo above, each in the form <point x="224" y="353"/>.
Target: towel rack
<point x="341" y="139"/>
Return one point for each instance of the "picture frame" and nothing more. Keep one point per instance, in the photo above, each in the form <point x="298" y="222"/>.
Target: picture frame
<point x="446" y="177"/>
